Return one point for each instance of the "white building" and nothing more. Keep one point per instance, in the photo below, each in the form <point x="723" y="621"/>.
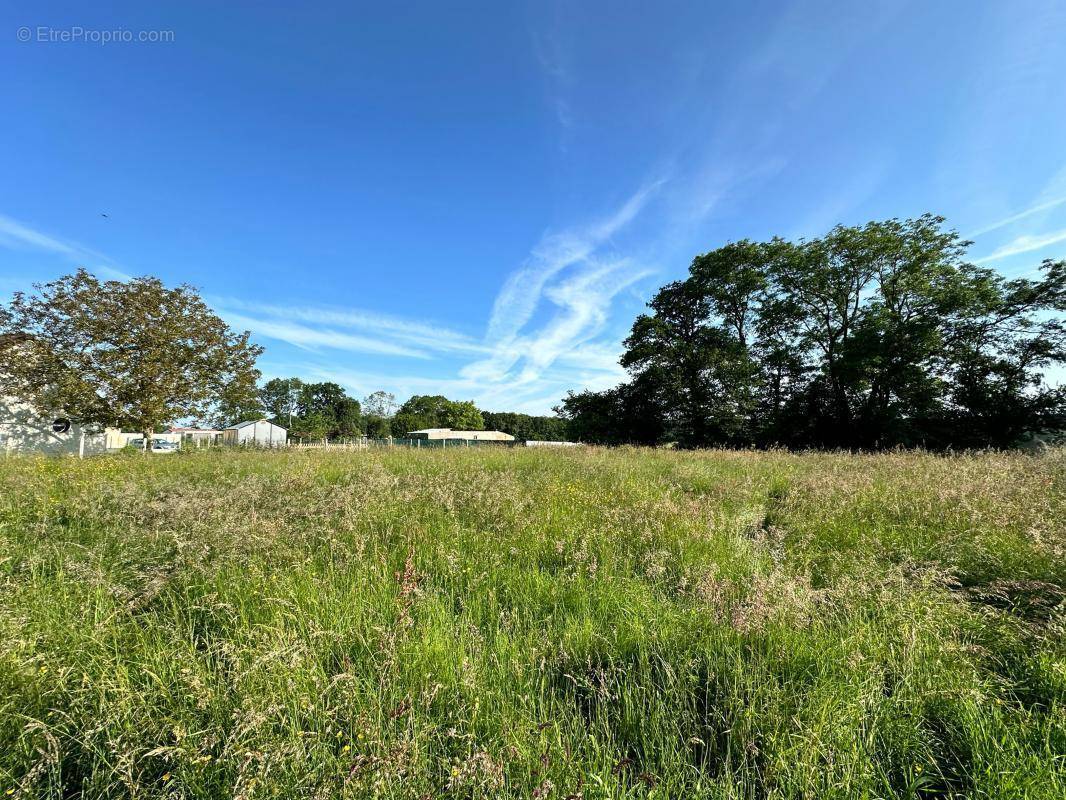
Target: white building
<point x="25" y="430"/>
<point x="436" y="434"/>
<point x="256" y="433"/>
<point x="195" y="437"/>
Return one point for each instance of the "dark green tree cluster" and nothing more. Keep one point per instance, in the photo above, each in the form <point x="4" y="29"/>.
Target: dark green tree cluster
<point x="869" y="337"/>
<point x="526" y="426"/>
<point x="311" y="410"/>
<point x="436" y="411"/>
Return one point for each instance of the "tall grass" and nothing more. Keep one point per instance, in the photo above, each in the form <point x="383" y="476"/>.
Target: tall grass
<point x="594" y="624"/>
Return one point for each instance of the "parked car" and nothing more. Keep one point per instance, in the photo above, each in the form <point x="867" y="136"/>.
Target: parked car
<point x="158" y="445"/>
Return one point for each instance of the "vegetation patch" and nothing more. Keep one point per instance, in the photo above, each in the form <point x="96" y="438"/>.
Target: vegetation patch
<point x="529" y="623"/>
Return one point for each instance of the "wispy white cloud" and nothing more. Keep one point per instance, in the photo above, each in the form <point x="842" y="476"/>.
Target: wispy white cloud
<point x="312" y="338"/>
<point x="1024" y="244"/>
<point x="557" y="75"/>
<point x="569" y="284"/>
<point x="552" y="47"/>
<point x="15" y="235"/>
<point x="111" y="272"/>
<point x="600" y="358"/>
<point x="1002" y="223"/>
<point x="584" y="302"/>
<point x="381" y="326"/>
<point x="566" y="270"/>
<point x="522" y="291"/>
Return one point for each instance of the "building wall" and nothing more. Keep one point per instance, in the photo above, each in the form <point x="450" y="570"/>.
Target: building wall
<point x="24" y="430"/>
<point x="446" y="433"/>
<point x="261" y="434"/>
<point x="194" y="439"/>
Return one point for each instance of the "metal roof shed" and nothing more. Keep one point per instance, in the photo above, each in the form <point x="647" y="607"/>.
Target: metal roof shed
<point x="256" y="433"/>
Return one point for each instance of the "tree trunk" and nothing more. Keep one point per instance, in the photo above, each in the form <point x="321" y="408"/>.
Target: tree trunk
<point x="147" y="442"/>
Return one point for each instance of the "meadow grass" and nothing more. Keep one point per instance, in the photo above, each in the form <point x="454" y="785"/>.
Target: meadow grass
<point x="511" y="623"/>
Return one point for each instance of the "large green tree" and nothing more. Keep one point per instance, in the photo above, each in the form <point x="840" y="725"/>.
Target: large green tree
<point x="378" y="408"/>
<point x="128" y="354"/>
<point x="868" y="337"/>
<point x="281" y="399"/>
<point x="312" y="410"/>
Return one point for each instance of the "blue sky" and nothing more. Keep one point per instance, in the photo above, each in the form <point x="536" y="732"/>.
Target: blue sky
<point x="476" y="199"/>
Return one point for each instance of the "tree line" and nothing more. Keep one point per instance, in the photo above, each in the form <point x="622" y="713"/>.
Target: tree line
<point x="869" y="337"/>
<point x="325" y="411"/>
<point x="138" y="355"/>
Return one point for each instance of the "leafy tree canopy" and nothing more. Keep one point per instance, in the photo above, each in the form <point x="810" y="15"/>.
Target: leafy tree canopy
<point x="868" y="337"/>
<point x="133" y="355"/>
<point x="436" y="411"/>
<point x="526" y="426"/>
<point x="312" y="410"/>
<point x="281" y="399"/>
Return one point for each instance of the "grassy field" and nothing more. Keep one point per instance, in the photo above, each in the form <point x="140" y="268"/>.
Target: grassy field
<point x="507" y="623"/>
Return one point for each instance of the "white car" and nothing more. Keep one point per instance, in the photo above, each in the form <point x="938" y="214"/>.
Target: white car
<point x="158" y="445"/>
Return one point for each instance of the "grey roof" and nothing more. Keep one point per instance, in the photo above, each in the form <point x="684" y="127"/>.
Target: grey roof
<point x="250" y="422"/>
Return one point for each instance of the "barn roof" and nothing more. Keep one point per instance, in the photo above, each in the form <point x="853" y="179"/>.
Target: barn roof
<point x="250" y="422"/>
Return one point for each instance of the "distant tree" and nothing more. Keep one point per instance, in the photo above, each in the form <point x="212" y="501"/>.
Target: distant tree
<point x="436" y="411"/>
<point x="525" y="426"/>
<point x="239" y="407"/>
<point x="313" y="425"/>
<point x="281" y="399"/>
<point x="377" y="427"/>
<point x="133" y="355"/>
<point x="627" y="414"/>
<point x="593" y="417"/>
<point x="348" y="418"/>
<point x="463" y="415"/>
<point x="326" y="411"/>
<point x="378" y="409"/>
<point x="319" y="397"/>
<point x="380" y="404"/>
